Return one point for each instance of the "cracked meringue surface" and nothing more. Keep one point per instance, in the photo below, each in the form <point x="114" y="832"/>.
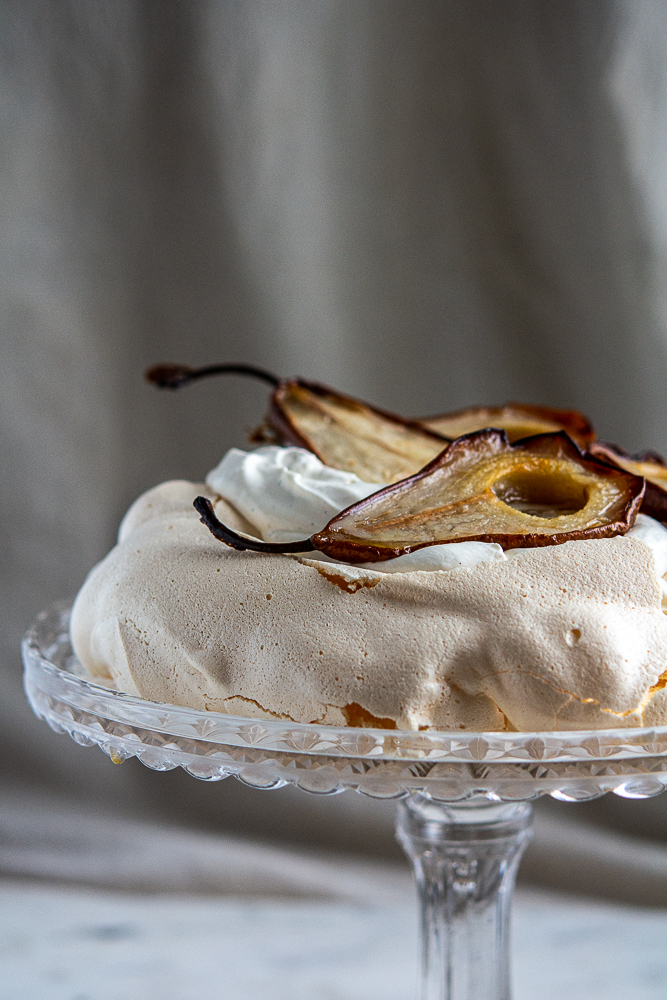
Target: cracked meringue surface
<point x="570" y="636"/>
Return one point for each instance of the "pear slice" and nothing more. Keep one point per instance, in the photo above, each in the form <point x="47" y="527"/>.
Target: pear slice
<point x="350" y="435"/>
<point x="647" y="464"/>
<point x="343" y="432"/>
<point x="541" y="491"/>
<point x="518" y="420"/>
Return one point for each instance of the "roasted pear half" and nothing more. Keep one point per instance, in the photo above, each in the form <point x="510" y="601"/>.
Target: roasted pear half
<point x="518" y="420"/>
<point x="351" y="435"/>
<point x="539" y="491"/>
<point x="345" y="433"/>
<point x="647" y="464"/>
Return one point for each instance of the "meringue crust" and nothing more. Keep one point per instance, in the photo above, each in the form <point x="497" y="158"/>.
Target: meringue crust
<point x="564" y="637"/>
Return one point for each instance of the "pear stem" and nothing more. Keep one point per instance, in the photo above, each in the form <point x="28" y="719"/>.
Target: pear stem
<point x="224" y="534"/>
<point x="168" y="376"/>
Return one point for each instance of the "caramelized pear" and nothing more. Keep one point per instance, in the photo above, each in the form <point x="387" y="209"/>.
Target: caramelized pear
<point x="540" y="491"/>
<point x="647" y="464"/>
<point x="343" y="432"/>
<point x="518" y="420"/>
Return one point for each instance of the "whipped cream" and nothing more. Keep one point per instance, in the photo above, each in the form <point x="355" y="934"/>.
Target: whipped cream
<point x="288" y="494"/>
<point x="654" y="536"/>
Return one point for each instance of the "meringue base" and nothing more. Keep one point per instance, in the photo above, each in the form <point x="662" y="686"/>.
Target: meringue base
<point x="569" y="636"/>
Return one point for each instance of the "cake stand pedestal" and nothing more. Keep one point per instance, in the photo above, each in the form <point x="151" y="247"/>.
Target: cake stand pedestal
<point x="465" y="858"/>
<point x="464" y="814"/>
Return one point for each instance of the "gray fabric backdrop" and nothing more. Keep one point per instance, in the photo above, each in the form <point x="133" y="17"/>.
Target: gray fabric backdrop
<point x="428" y="205"/>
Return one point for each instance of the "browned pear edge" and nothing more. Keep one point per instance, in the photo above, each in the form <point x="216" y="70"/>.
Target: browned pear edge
<point x="281" y="422"/>
<point x="556" y="444"/>
<point x="572" y="422"/>
<point x="654" y="503"/>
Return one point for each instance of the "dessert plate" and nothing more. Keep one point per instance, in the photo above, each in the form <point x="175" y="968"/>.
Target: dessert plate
<point x="464" y="819"/>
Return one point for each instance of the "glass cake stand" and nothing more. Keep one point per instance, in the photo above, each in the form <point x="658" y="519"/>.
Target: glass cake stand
<point x="465" y="798"/>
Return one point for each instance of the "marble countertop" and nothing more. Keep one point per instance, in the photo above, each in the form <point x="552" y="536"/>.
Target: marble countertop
<point x="78" y="944"/>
